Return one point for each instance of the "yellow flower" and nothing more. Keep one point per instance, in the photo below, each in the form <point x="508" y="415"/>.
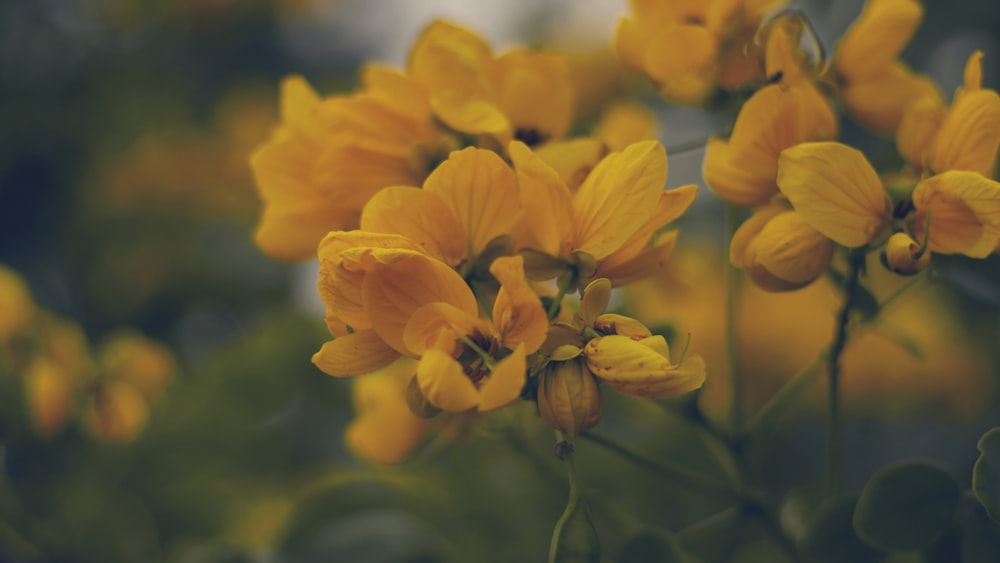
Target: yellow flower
<point x="838" y="193"/>
<point x="606" y="228"/>
<point x="330" y="156"/>
<point x="779" y="251"/>
<point x="56" y="375"/>
<point x="690" y="48"/>
<point x="904" y="256"/>
<point x="935" y="138"/>
<point x="384" y="429"/>
<point x="467" y="205"/>
<point x="518" y="95"/>
<point x="742" y="169"/>
<point x="463" y="359"/>
<point x="875" y="87"/>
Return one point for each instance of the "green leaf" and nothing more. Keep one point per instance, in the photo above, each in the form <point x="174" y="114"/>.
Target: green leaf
<point x="980" y="535"/>
<point x="986" y="474"/>
<point x="906" y="506"/>
<point x="830" y="537"/>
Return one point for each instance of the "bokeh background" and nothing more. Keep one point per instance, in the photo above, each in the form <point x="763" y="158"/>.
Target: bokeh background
<point x="127" y="202"/>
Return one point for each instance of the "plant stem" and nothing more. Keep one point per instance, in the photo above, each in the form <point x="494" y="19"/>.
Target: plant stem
<point x="681" y="473"/>
<point x="565" y="281"/>
<point x="856" y="260"/>
<point x="732" y="335"/>
<point x="797" y="384"/>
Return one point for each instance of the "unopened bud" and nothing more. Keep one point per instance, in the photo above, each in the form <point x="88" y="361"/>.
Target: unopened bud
<point x="904" y="256"/>
<point x="569" y="398"/>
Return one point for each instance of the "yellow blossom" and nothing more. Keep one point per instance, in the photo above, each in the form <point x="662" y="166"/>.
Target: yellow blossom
<point x="904" y="256"/>
<point x="690" y="48"/>
<point x="743" y="169"/>
<point x="606" y="228"/>
<point x="518" y="95"/>
<point x="875" y="87"/>
<point x="384" y="429"/>
<point x="468" y="204"/>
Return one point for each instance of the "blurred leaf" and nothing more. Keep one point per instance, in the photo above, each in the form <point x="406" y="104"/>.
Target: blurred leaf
<point x="653" y="546"/>
<point x="980" y="542"/>
<point x="906" y="506"/>
<point x="986" y="473"/>
<point x="830" y="537"/>
<point x="13" y="545"/>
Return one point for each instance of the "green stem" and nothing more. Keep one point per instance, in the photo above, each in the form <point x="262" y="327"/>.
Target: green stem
<point x="565" y="282"/>
<point x="732" y="303"/>
<point x="856" y="260"/>
<point x="564" y="451"/>
<point x="684" y="474"/>
<point x="805" y="377"/>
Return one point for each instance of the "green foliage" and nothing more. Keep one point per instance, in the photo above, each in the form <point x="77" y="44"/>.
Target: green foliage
<point x="830" y="537"/>
<point x="906" y="506"/>
<point x="652" y="546"/>
<point x="986" y="473"/>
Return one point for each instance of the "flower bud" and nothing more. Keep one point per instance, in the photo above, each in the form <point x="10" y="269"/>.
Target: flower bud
<point x="610" y="323"/>
<point x="780" y="251"/>
<point x="903" y="256"/>
<point x="568" y="397"/>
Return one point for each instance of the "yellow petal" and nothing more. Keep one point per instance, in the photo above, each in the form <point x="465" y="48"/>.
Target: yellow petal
<point x="517" y="312"/>
<point x="918" y="127"/>
<point x="426" y="325"/>
<point x="384" y="429"/>
<point x="835" y="190"/>
<point x="640" y="266"/>
<point x="444" y="384"/>
<point x="354" y="354"/>
<point x="625" y="123"/>
<point x="16" y="306"/>
<point x="573" y="159"/>
<point x="481" y="191"/>
<point x="292" y="234"/>
<point x="618" y="197"/>
<point x="792" y="250"/>
<point x="969" y="135"/>
<point x="546" y="203"/>
<point x="877" y="37"/>
<point x="744" y="236"/>
<point x="448" y="57"/>
<point x="49" y="392"/>
<point x="879" y="101"/>
<point x="391" y="293"/>
<point x="630" y="43"/>
<point x="142" y="363"/>
<point x="965" y="213"/>
<point x="903" y="255"/>
<point x="972" y="77"/>
<point x="743" y="171"/>
<point x="298" y="106"/>
<point x="642" y="368"/>
<point x="671" y="205"/>
<point x="610" y="323"/>
<point x="783" y="55"/>
<point x="474" y="116"/>
<point x="505" y="381"/>
<point x="418" y="215"/>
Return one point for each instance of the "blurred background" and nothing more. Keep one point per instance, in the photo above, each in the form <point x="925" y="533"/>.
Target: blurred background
<point x="127" y="206"/>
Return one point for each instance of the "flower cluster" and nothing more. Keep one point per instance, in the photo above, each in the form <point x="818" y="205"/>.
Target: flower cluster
<point x="110" y="389"/>
<point x="446" y="202"/>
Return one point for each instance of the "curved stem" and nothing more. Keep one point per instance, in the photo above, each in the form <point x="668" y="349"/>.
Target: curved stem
<point x="797" y="384"/>
<point x="856" y="260"/>
<point x="565" y="282"/>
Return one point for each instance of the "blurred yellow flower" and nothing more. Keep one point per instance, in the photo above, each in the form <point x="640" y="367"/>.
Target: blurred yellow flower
<point x="778" y="250"/>
<point x="384" y="429"/>
<point x="874" y="85"/>
<point x="690" y="48"/>
<point x="16" y="306"/>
